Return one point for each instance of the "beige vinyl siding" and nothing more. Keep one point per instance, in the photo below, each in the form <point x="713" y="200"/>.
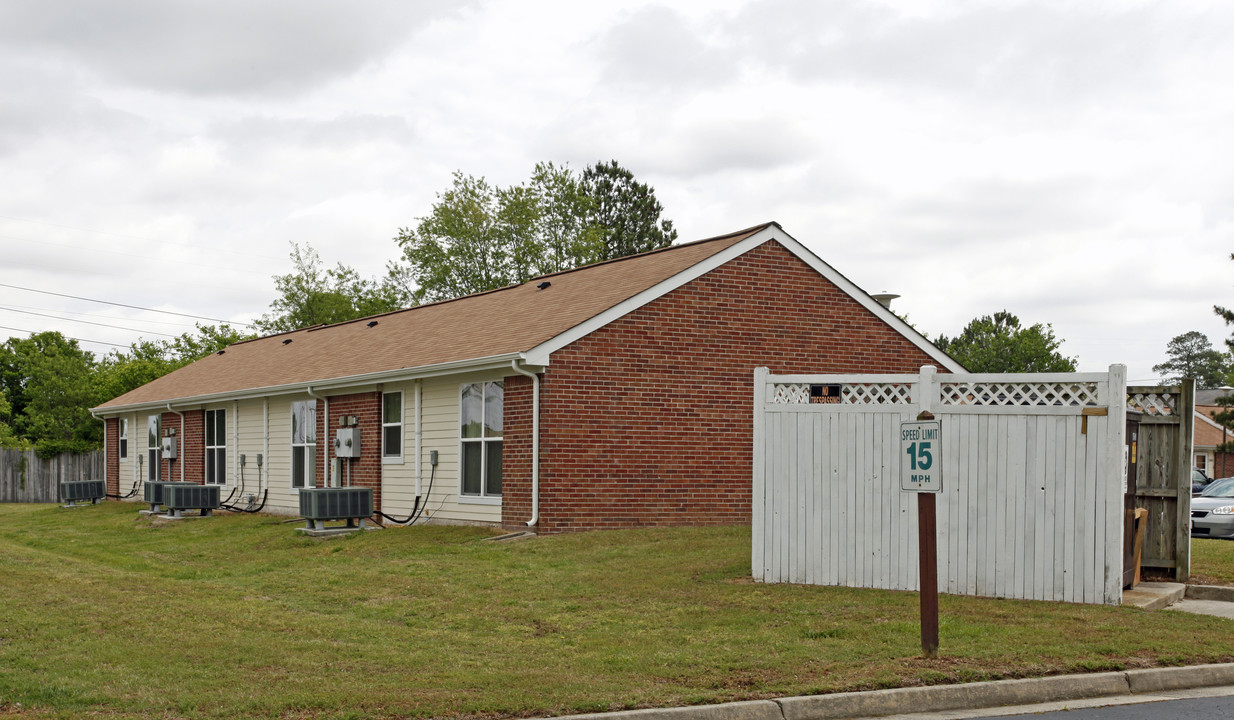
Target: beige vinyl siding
<point x="440" y="415"/>
<point x="283" y="499"/>
<point x="245" y="436"/>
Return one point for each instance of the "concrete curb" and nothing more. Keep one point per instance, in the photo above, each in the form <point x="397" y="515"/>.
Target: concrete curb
<point x="936" y="698"/>
<point x="1210" y="592"/>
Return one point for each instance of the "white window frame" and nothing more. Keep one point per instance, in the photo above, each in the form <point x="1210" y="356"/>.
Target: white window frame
<point x="123" y="444"/>
<point x="154" y="447"/>
<point x="218" y="449"/>
<point x="486" y="443"/>
<point x="392" y="458"/>
<point x="308" y="449"/>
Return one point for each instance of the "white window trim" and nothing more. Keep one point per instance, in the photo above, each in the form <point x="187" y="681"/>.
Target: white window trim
<point x="155" y="465"/>
<point x="122" y="444"/>
<point x="478" y="499"/>
<point x="310" y="482"/>
<point x="223" y="446"/>
<point x="402" y="426"/>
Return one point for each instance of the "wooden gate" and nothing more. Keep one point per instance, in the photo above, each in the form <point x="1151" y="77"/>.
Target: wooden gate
<point x="1163" y="473"/>
<point x="1032" y="500"/>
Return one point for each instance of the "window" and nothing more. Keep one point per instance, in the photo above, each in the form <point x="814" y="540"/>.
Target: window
<point x="392" y="427"/>
<point x="1201" y="462"/>
<point x="216" y="447"/>
<point x="154" y="446"/>
<point x="124" y="438"/>
<point x="304" y="443"/>
<point x="482" y="407"/>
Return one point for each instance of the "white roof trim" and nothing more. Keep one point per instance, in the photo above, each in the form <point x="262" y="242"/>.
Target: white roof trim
<point x="1209" y="420"/>
<point x="539" y="355"/>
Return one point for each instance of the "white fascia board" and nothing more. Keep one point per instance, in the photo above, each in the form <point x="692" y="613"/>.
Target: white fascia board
<point x="1210" y="421"/>
<point x="850" y="288"/>
<point x="539" y="355"/>
<point x="493" y="362"/>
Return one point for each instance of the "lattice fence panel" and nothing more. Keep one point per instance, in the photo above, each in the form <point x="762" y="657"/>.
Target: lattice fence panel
<point x="1159" y="404"/>
<point x="1018" y="394"/>
<point x="850" y="394"/>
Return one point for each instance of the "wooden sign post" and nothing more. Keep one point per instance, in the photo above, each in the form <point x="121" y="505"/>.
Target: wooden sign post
<point x="922" y="442"/>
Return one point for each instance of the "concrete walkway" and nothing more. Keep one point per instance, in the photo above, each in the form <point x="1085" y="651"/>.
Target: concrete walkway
<point x="1201" y="599"/>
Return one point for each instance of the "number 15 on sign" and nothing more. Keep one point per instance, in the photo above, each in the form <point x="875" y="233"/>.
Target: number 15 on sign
<point x="920" y="446"/>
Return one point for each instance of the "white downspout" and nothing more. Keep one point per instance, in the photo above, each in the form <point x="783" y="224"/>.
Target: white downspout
<point x="180" y="450"/>
<point x="325" y="402"/>
<point x="263" y="467"/>
<point x="535" y="442"/>
<point x="419" y="436"/>
<point x="235" y="445"/>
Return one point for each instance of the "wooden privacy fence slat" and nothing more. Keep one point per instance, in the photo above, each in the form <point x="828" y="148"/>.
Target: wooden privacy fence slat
<point x="27" y="478"/>
<point x="1032" y="499"/>
<point x="1163" y="473"/>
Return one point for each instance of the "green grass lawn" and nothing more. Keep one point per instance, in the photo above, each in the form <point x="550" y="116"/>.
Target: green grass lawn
<point x="1212" y="561"/>
<point x="105" y="612"/>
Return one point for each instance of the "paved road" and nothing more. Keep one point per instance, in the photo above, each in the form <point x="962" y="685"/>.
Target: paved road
<point x="1211" y="708"/>
<point x="1210" y="703"/>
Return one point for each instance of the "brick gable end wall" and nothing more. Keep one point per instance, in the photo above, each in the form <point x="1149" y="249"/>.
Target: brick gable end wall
<point x="648" y="421"/>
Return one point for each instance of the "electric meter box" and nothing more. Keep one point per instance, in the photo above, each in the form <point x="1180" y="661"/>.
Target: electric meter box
<point x="347" y="442"/>
<point x="169" y="448"/>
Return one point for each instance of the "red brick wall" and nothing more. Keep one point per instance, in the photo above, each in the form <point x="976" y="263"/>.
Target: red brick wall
<point x="648" y="420"/>
<point x="366" y="469"/>
<point x="516" y="450"/>
<point x="111" y="427"/>
<point x="192" y="446"/>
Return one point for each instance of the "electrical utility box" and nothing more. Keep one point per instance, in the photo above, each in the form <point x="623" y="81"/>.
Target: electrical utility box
<point x="347" y="442"/>
<point x="169" y="448"/>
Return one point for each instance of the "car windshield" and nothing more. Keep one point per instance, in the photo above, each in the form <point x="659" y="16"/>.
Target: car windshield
<point x="1223" y="488"/>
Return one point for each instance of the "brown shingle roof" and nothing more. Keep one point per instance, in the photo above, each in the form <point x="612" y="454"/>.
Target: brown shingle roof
<point x="510" y="320"/>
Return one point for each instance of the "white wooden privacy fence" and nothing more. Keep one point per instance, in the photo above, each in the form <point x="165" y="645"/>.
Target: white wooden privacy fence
<point x="1032" y="472"/>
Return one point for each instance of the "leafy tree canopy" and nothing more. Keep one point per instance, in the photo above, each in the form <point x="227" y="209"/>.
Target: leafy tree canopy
<point x="478" y="237"/>
<point x="147" y="360"/>
<point x="1191" y="355"/>
<point x="49" y="386"/>
<point x="998" y="343"/>
<point x="314" y="295"/>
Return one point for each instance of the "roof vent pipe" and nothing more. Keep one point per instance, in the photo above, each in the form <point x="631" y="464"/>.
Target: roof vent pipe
<point x="884" y="298"/>
<point x="535" y="442"/>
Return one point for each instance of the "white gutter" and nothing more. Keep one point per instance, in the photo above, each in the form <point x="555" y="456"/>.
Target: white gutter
<point x="326" y="403"/>
<point x="535" y="442"/>
<point x="493" y="362"/>
<point x="179" y="451"/>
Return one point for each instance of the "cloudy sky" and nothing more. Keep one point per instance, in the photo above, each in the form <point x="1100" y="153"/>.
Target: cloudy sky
<point x="1072" y="162"/>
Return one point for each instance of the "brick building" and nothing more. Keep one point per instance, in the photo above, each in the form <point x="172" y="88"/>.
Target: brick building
<point x="614" y="395"/>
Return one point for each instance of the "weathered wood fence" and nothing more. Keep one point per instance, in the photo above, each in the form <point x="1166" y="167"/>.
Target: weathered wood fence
<point x="27" y="478"/>
<point x="1163" y="473"/>
<point x="1032" y="499"/>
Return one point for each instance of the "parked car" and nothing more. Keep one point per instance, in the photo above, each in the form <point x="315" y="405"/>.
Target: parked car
<point x="1212" y="513"/>
<point x="1199" y="481"/>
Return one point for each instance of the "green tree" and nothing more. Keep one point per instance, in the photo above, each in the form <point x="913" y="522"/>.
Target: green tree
<point x="1226" y="416"/>
<point x="626" y="211"/>
<point x="50" y="385"/>
<point x="147" y="360"/>
<point x="1191" y="355"/>
<point x="478" y="237"/>
<point x="998" y="343"/>
<point x="314" y="295"/>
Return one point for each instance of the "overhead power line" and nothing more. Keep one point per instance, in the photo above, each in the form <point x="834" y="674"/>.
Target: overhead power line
<point x="134" y="307"/>
<point x="86" y="322"/>
<point x="35" y="332"/>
